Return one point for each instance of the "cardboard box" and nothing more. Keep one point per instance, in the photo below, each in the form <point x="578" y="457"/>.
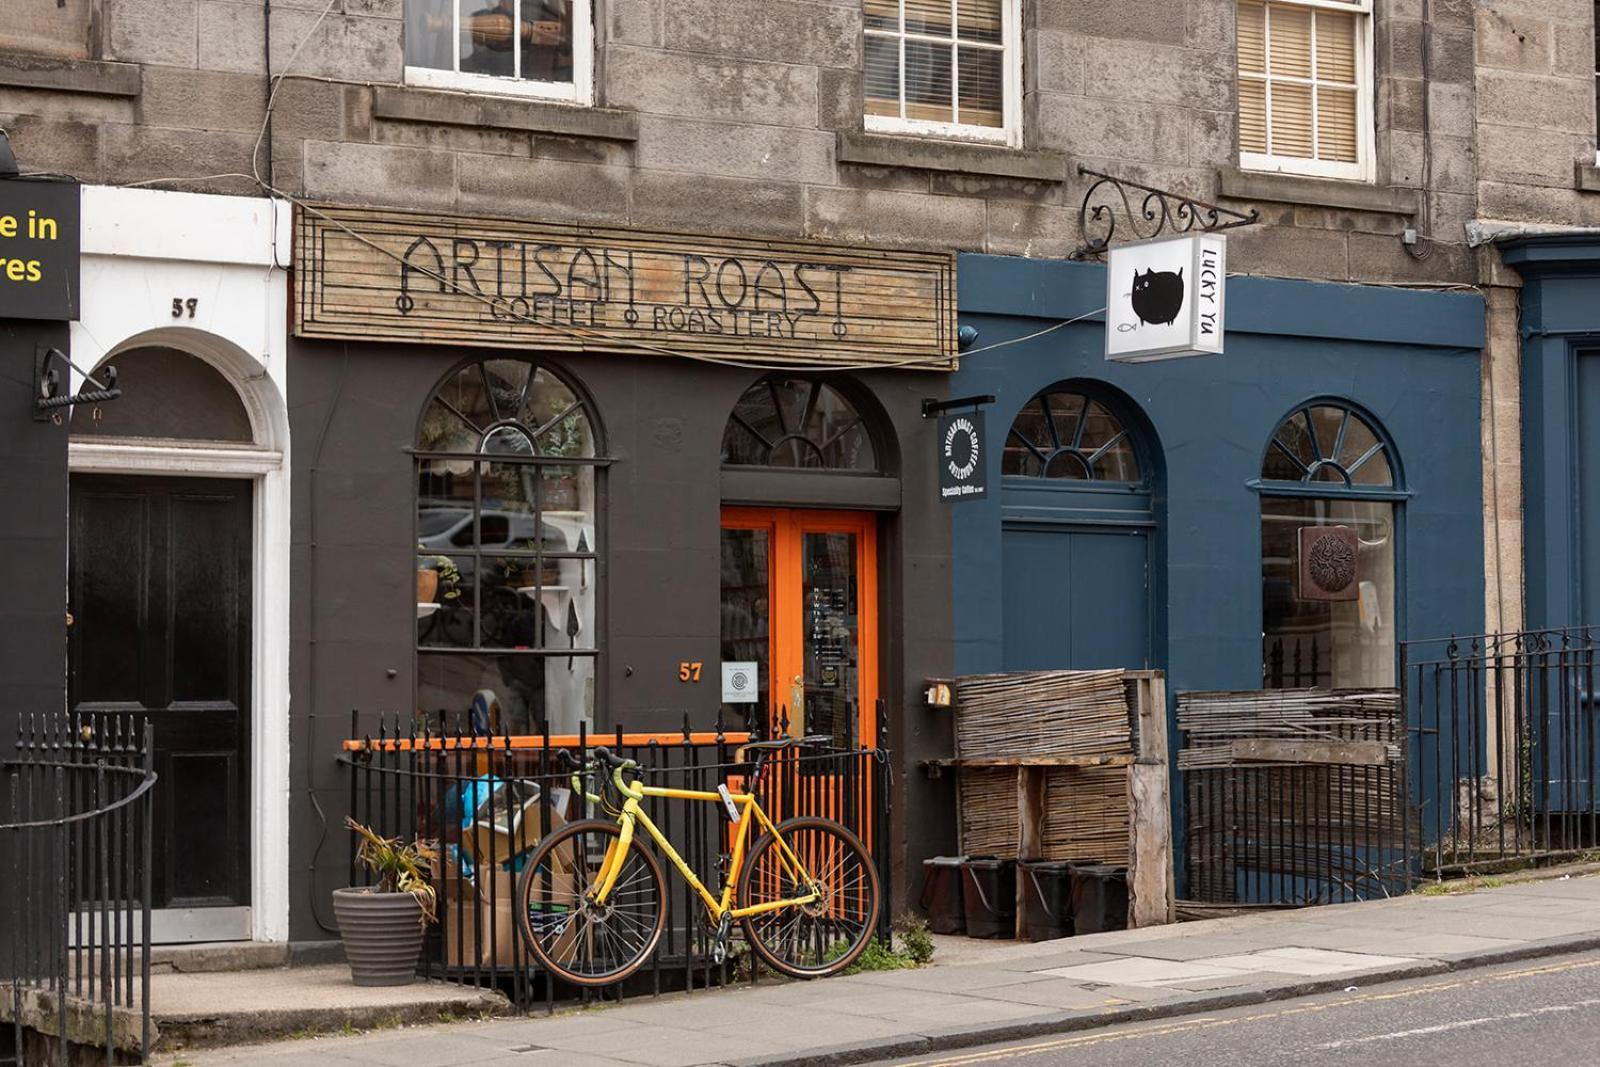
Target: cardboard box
<point x="477" y="916"/>
<point x="477" y="920"/>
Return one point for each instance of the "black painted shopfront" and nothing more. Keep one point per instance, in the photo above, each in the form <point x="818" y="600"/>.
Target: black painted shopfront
<point x="532" y="535"/>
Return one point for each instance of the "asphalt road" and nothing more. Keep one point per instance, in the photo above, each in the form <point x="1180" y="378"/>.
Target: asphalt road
<point x="1542" y="1011"/>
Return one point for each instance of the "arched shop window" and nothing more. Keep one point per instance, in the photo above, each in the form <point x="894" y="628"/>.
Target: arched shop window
<point x="1066" y="434"/>
<point x="1330" y="501"/>
<point x="507" y="526"/>
<point x="797" y="422"/>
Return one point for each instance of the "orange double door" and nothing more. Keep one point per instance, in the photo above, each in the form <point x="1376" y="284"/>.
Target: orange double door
<point x="800" y="601"/>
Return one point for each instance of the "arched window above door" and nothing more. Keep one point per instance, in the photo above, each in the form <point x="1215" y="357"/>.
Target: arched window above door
<point x="170" y="395"/>
<point x="1328" y="445"/>
<point x="1064" y="433"/>
<point x="797" y="422"/>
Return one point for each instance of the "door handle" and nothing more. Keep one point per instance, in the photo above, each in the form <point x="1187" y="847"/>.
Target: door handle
<point x="797" y="706"/>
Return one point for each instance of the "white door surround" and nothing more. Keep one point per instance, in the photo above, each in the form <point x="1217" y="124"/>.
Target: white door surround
<point x="146" y="255"/>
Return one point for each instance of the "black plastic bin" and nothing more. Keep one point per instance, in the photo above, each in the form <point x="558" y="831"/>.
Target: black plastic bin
<point x="941" y="894"/>
<point x="1047" y="897"/>
<point x="1099" y="898"/>
<point x="989" y="893"/>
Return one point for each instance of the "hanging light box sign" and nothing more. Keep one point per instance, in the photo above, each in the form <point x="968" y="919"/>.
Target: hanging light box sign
<point x="1164" y="298"/>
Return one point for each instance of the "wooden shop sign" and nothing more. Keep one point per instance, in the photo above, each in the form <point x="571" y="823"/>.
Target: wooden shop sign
<point x="370" y="273"/>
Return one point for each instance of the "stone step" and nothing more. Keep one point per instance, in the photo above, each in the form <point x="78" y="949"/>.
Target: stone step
<point x="210" y="1009"/>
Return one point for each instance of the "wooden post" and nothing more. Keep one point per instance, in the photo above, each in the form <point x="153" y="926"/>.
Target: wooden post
<point x="1150" y="875"/>
<point x="1030" y="832"/>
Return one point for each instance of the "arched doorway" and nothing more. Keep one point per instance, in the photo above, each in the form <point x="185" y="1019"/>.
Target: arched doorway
<point x="803" y="473"/>
<point x="1079" y="534"/>
<point x="177" y="591"/>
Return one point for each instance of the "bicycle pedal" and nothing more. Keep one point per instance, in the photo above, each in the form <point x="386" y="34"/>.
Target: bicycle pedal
<point x="719" y="947"/>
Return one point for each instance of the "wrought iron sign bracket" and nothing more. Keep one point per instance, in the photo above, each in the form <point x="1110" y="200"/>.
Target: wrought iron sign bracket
<point x="932" y="407"/>
<point x="1158" y="213"/>
<point x="51" y="395"/>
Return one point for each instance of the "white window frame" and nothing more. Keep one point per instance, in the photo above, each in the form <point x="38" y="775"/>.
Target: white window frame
<point x="579" y="91"/>
<point x="1362" y="169"/>
<point x="1010" y="132"/>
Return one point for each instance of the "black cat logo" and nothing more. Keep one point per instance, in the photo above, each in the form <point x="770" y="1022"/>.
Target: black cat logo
<point x="1157" y="296"/>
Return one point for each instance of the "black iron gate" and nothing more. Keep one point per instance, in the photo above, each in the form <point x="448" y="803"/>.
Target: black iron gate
<point x="75" y="824"/>
<point x="1505" y="747"/>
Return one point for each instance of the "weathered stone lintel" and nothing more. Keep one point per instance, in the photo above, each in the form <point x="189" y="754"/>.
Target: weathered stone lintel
<point x="1238" y="184"/>
<point x="445" y="108"/>
<point x="95" y="77"/>
<point x="881" y="150"/>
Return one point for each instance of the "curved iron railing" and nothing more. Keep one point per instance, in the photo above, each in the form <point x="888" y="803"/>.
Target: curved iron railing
<point x="75" y="821"/>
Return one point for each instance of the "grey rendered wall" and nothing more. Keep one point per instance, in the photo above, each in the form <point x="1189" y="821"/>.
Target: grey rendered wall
<point x="355" y="411"/>
<point x="33" y="543"/>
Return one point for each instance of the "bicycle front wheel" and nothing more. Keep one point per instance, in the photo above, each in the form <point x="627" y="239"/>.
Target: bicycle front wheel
<point x="826" y="935"/>
<point x="572" y="936"/>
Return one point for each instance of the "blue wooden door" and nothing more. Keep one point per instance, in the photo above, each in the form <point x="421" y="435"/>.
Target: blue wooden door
<point x="1076" y="598"/>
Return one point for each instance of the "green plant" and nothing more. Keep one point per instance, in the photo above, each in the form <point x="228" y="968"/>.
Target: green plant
<point x="914" y="949"/>
<point x="398" y="868"/>
<point x="449" y="574"/>
<point x="915" y="940"/>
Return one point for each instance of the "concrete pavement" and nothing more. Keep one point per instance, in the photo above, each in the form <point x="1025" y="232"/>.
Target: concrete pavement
<point x="1005" y="991"/>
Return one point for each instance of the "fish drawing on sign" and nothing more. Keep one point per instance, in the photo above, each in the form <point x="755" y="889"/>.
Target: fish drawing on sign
<point x="1157" y="296"/>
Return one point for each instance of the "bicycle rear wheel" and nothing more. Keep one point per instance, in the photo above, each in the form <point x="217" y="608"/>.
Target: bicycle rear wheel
<point x="570" y="935"/>
<point x="826" y="936"/>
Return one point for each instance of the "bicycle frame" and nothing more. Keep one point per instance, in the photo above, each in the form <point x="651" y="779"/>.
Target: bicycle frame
<point x="750" y="813"/>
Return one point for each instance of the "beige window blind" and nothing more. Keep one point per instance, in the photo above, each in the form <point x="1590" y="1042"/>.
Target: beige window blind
<point x="1300" y="72"/>
<point x="938" y="63"/>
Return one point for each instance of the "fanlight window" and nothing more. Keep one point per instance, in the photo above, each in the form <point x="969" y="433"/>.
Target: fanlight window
<point x="1068" y="435"/>
<point x="1328" y="445"/>
<point x="507" y="550"/>
<point x="797" y="422"/>
<point x="506" y="407"/>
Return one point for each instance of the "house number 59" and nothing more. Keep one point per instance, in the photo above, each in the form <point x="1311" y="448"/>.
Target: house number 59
<point x="180" y="305"/>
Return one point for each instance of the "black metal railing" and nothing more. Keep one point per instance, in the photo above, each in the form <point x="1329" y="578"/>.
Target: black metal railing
<point x="75" y="822"/>
<point x="1295" y="663"/>
<point x="484" y="802"/>
<point x="1505" y="747"/>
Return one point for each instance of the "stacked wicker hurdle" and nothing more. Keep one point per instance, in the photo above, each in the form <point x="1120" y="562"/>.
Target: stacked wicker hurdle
<point x="1069" y="765"/>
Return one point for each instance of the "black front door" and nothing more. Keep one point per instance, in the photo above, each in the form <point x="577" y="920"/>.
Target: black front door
<point x="160" y="599"/>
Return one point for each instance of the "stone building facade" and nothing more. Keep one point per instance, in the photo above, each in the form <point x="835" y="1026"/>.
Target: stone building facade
<point x="192" y="124"/>
<point x="750" y="115"/>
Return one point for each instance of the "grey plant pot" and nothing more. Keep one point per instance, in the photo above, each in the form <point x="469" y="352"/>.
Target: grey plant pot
<point x="382" y="935"/>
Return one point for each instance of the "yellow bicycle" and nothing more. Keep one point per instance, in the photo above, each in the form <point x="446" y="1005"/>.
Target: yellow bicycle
<point x="592" y="901"/>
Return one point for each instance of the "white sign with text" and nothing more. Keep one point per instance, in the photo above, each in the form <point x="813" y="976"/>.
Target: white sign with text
<point x="740" y="684"/>
<point x="1164" y="298"/>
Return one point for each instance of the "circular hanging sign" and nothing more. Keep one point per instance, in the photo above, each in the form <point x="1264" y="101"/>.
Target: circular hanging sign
<point x="961" y="466"/>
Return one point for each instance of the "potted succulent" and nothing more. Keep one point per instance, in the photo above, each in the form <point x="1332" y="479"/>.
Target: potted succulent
<point x="438" y="578"/>
<point x="382" y="924"/>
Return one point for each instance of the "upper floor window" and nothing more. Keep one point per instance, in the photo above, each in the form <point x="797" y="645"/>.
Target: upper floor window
<point x="527" y="47"/>
<point x="1305" y="87"/>
<point x="948" y="68"/>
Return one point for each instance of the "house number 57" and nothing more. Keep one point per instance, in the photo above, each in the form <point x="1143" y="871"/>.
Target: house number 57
<point x="689" y="672"/>
<point x="180" y="305"/>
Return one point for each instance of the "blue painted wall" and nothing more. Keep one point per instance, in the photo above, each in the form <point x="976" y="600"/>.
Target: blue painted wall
<point x="1411" y="358"/>
<point x="1560" y="319"/>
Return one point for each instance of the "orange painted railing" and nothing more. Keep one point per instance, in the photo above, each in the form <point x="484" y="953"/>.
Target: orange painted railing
<point x="527" y="742"/>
